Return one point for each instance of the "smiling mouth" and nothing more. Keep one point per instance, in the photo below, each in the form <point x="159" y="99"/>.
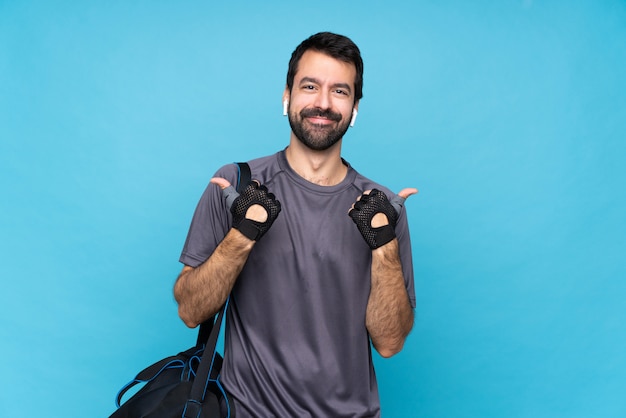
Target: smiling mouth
<point x="318" y="120"/>
<point x="320" y="117"/>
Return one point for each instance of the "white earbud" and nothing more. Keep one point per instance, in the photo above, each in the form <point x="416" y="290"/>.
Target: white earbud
<point x="285" y="107"/>
<point x="353" y="120"/>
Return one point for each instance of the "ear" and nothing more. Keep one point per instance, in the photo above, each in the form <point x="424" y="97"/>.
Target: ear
<point x="286" y="95"/>
<point x="355" y="112"/>
<point x="353" y="120"/>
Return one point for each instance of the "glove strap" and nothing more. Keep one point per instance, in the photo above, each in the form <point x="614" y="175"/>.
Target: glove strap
<point x="383" y="235"/>
<point x="249" y="229"/>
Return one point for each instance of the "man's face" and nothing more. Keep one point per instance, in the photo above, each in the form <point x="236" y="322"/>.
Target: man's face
<point x="321" y="100"/>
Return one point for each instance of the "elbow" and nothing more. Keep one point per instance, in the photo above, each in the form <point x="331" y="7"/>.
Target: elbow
<point x="389" y="350"/>
<point x="184" y="313"/>
<point x="388" y="346"/>
<point x="391" y="343"/>
<point x="186" y="318"/>
<point x="387" y="354"/>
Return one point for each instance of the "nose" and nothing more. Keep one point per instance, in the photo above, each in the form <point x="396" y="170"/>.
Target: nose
<point x="322" y="100"/>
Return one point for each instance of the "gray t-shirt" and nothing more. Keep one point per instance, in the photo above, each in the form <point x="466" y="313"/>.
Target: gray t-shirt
<point x="296" y="343"/>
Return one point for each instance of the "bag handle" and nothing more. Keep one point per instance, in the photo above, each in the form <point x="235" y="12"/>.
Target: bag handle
<point x="152" y="371"/>
<point x="243" y="178"/>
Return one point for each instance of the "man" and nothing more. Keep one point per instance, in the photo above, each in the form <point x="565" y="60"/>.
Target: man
<point x="316" y="257"/>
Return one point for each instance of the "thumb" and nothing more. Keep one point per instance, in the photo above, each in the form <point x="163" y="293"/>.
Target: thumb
<point x="404" y="193"/>
<point x="398" y="200"/>
<point x="228" y="191"/>
<point x="222" y="182"/>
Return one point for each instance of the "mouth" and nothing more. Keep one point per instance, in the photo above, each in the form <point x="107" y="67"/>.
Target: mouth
<point x="319" y="120"/>
<point x="320" y="117"/>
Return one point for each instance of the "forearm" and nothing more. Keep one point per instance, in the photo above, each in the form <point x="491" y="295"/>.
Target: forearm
<point x="202" y="291"/>
<point x="389" y="316"/>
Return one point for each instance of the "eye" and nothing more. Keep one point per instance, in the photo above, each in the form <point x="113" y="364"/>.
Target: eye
<point x="341" y="92"/>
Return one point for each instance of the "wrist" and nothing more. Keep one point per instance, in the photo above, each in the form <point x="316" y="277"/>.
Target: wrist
<point x="386" y="250"/>
<point x="238" y="241"/>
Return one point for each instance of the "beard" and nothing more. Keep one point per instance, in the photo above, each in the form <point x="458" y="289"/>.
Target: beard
<point x="315" y="136"/>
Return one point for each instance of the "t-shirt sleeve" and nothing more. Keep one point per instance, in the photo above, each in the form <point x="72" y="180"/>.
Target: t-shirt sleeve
<point x="210" y="223"/>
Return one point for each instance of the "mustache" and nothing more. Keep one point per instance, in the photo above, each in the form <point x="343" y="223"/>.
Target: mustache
<point x="317" y="112"/>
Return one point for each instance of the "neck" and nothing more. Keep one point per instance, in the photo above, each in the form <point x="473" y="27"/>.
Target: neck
<point x="324" y="168"/>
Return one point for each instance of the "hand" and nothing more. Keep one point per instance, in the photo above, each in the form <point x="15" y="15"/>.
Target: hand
<point x="254" y="211"/>
<point x="375" y="216"/>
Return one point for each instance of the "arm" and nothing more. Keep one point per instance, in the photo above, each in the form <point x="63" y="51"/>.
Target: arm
<point x="389" y="316"/>
<point x="201" y="292"/>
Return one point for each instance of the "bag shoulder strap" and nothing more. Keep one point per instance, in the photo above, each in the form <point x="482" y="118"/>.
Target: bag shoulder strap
<point x="244" y="177"/>
<point x="207" y="363"/>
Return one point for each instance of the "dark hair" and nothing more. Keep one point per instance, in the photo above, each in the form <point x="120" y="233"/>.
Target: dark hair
<point x="337" y="46"/>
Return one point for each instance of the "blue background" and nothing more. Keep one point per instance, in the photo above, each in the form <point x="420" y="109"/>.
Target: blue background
<point x="509" y="116"/>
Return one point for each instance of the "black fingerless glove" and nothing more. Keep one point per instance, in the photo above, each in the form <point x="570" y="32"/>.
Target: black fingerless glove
<point x="254" y="194"/>
<point x="363" y="212"/>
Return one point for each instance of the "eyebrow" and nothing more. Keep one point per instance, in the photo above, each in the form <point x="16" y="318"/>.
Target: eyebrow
<point x="316" y="81"/>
